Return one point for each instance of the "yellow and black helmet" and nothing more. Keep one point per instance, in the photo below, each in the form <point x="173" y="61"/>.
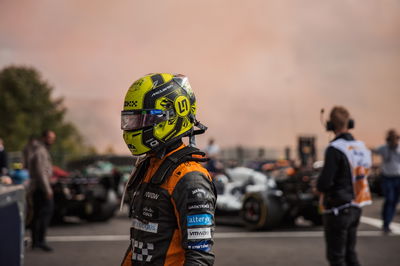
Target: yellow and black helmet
<point x="158" y="110"/>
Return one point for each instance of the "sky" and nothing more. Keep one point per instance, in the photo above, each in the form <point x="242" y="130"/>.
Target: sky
<point x="261" y="69"/>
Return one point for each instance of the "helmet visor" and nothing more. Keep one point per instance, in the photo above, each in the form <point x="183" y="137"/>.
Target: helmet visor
<point x="137" y="119"/>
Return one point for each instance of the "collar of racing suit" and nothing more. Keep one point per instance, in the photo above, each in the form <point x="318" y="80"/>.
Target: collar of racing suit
<point x="156" y="162"/>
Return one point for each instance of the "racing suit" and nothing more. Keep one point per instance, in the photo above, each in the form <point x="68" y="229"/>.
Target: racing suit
<point x="172" y="222"/>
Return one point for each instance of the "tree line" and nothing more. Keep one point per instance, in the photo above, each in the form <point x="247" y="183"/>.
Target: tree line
<point x="27" y="108"/>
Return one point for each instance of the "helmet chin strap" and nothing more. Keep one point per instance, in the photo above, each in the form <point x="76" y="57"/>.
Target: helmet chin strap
<point x="192" y="136"/>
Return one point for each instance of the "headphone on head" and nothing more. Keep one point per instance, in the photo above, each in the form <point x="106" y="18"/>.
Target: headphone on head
<point x="329" y="126"/>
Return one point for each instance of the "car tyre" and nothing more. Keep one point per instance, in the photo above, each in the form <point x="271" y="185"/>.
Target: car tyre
<point x="261" y="212"/>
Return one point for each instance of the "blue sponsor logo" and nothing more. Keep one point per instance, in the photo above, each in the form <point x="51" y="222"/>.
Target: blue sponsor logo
<point x="147" y="227"/>
<point x="204" y="245"/>
<point x="199" y="219"/>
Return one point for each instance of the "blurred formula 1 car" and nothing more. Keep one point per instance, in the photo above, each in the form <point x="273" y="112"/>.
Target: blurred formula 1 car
<point x="277" y="195"/>
<point x="91" y="190"/>
<point x="89" y="198"/>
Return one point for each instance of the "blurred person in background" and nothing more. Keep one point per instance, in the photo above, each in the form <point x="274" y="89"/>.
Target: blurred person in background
<point x="28" y="150"/>
<point x="390" y="154"/>
<point x="40" y="170"/>
<point x="172" y="197"/>
<point x="212" y="151"/>
<point x="3" y="159"/>
<point x="344" y="189"/>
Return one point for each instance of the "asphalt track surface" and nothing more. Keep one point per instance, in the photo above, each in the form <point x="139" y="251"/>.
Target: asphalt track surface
<point x="103" y="244"/>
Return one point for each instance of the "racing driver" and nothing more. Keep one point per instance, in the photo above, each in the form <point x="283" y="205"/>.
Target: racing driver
<point x="172" y="197"/>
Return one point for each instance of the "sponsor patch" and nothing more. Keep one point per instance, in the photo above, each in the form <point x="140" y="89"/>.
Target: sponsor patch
<point x="150" y="212"/>
<point x="204" y="245"/>
<point x="197" y="193"/>
<point x="162" y="90"/>
<point x="151" y="195"/>
<point x="199" y="219"/>
<point x="146" y="227"/>
<point x="199" y="233"/>
<point x="199" y="206"/>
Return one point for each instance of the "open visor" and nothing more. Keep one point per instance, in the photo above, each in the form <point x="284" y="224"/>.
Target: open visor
<point x="137" y="119"/>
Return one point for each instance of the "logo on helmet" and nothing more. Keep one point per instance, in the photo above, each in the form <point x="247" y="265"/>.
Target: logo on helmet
<point x="162" y="90"/>
<point x="182" y="106"/>
<point x="137" y="85"/>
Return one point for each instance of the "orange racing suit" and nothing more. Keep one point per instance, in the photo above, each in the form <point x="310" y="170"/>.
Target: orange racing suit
<point x="172" y="217"/>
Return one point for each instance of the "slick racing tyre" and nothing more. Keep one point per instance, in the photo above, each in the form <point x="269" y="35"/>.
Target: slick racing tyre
<point x="261" y="212"/>
<point x="97" y="210"/>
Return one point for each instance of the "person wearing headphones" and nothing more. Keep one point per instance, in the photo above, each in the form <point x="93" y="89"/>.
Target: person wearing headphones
<point x="390" y="154"/>
<point x="344" y="189"/>
<point x="172" y="197"/>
